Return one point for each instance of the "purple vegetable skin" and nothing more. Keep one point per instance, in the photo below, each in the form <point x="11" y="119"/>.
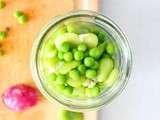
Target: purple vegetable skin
<point x="20" y="97"/>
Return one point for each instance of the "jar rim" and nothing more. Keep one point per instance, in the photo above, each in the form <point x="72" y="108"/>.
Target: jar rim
<point x="66" y="103"/>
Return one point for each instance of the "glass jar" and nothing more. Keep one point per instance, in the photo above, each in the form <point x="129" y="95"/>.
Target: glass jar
<point x="124" y="62"/>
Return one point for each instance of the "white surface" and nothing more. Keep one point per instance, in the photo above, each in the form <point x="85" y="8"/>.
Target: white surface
<point x="140" y="20"/>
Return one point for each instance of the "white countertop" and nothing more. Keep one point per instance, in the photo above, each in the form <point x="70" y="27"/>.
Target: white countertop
<point x="140" y="20"/>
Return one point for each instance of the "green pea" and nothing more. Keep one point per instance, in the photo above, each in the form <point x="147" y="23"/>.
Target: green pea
<point x="22" y="19"/>
<point x="95" y="91"/>
<point x="89" y="61"/>
<point x="65" y="46"/>
<point x="110" y="48"/>
<point x="82" y="47"/>
<point x="92" y="92"/>
<point x="18" y="13"/>
<point x="60" y="87"/>
<point x="82" y="69"/>
<point x="52" y="76"/>
<point x="95" y="66"/>
<point x="60" y="55"/>
<point x="94" y="52"/>
<point x="78" y="55"/>
<point x="91" y="73"/>
<point x="79" y="92"/>
<point x="50" y="51"/>
<point x="74" y="50"/>
<point x="60" y="79"/>
<point x="2" y="4"/>
<point x="67" y="90"/>
<point x="74" y="74"/>
<point x="86" y="54"/>
<point x="3" y="35"/>
<point x="68" y="56"/>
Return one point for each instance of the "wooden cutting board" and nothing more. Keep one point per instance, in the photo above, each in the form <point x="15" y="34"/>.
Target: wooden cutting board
<point x="14" y="65"/>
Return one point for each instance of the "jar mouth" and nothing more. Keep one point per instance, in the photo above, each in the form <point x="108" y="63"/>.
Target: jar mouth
<point x="106" y="96"/>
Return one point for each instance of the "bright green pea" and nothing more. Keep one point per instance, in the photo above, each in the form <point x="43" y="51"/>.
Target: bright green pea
<point x="18" y="13"/>
<point x="74" y="74"/>
<point x="68" y="56"/>
<point x="2" y="4"/>
<point x="95" y="66"/>
<point x="60" y="87"/>
<point x="91" y="73"/>
<point x="50" y="51"/>
<point x="82" y="69"/>
<point x="60" y="55"/>
<point x="65" y="46"/>
<point x="22" y="19"/>
<point x="86" y="54"/>
<point x="89" y="61"/>
<point x="74" y="50"/>
<point x="79" y="92"/>
<point x="3" y="35"/>
<point x="78" y="55"/>
<point x="95" y="91"/>
<point x="92" y="92"/>
<point x="94" y="52"/>
<point x="67" y="90"/>
<point x="52" y="76"/>
<point x="110" y="48"/>
<point x="88" y="92"/>
<point x="82" y="47"/>
<point x="60" y="79"/>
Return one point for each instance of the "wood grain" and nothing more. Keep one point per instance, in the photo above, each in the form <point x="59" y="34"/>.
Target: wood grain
<point x="14" y="65"/>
